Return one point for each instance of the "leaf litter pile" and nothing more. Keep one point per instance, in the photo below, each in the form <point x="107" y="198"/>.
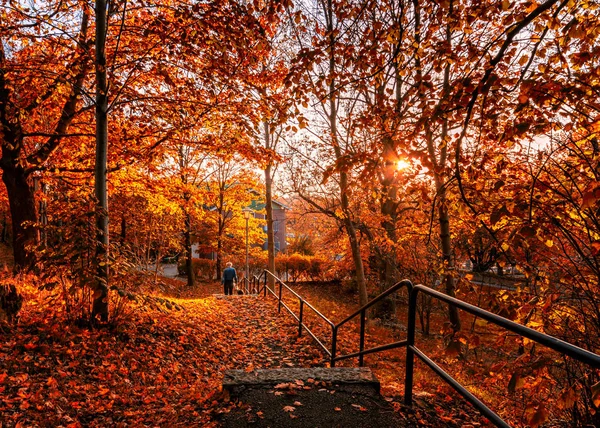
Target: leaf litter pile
<point x="156" y="368"/>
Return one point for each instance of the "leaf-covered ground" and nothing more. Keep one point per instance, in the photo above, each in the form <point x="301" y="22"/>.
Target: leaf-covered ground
<point x="159" y="367"/>
<point x="155" y="369"/>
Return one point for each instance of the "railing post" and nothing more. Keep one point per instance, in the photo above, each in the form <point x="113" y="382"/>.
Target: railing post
<point x="280" y="293"/>
<point x="300" y="318"/>
<point x="410" y="343"/>
<point x="265" y="286"/>
<point x="362" y="337"/>
<point x="334" y="331"/>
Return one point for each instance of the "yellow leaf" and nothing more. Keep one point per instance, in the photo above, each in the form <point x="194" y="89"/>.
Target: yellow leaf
<point x="523" y="60"/>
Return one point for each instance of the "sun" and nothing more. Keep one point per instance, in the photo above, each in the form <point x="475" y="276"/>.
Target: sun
<point x="402" y="164"/>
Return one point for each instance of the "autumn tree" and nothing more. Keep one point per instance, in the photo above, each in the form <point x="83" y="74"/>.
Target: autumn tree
<point x="43" y="72"/>
<point x="322" y="59"/>
<point x="228" y="192"/>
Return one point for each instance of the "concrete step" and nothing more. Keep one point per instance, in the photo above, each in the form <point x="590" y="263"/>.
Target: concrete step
<point x="342" y="378"/>
<point x="308" y="397"/>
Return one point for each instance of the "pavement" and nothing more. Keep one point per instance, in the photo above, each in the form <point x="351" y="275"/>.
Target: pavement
<point x="316" y="397"/>
<point x="170" y="271"/>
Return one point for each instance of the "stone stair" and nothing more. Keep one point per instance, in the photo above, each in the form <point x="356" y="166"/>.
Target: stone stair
<point x="308" y="397"/>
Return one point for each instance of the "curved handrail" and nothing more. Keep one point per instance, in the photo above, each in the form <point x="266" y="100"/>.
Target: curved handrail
<point x="302" y="303"/>
<point x="551" y="342"/>
<point x="363" y="313"/>
<point x="393" y="288"/>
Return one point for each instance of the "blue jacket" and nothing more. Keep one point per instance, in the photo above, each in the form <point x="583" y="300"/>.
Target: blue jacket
<point x="229" y="274"/>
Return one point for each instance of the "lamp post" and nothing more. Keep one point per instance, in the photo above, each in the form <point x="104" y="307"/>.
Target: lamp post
<point x="247" y="212"/>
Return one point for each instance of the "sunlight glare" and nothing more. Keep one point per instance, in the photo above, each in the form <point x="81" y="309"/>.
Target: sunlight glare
<point x="402" y="164"/>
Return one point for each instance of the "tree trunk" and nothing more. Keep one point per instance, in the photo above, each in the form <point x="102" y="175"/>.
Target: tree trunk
<point x="100" y="304"/>
<point x="444" y="218"/>
<point x="269" y="209"/>
<point x="23" y="214"/>
<point x="219" y="252"/>
<point x="389" y="210"/>
<point x="444" y="221"/>
<point x="189" y="265"/>
<point x="221" y="228"/>
<point x="123" y="230"/>
<point x="361" y="282"/>
<point x="4" y="230"/>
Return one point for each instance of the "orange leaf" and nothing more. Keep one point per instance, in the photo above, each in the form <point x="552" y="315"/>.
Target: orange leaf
<point x="289" y="408"/>
<point x="539" y="417"/>
<point x="596" y="394"/>
<point x="516" y="382"/>
<point x="453" y="348"/>
<point x="567" y="399"/>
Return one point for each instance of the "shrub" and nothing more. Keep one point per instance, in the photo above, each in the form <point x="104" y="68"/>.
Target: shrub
<point x="298" y="266"/>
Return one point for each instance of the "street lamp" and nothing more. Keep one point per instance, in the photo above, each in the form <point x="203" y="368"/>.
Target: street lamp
<point x="247" y="212"/>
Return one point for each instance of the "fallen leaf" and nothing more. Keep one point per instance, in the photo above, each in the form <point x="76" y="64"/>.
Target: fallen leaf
<point x="359" y="407"/>
<point x="289" y="408"/>
<point x="596" y="394"/>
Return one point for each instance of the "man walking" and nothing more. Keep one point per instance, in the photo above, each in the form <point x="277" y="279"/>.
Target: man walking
<point x="229" y="276"/>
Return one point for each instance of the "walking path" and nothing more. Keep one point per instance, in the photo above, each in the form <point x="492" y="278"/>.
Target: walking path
<point x="260" y="338"/>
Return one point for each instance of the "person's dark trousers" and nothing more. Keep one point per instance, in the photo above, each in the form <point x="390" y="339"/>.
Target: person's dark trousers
<point x="228" y="288"/>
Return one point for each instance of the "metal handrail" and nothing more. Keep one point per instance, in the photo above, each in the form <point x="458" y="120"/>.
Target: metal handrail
<point x="251" y="285"/>
<point x="561" y="346"/>
<point x="551" y="342"/>
<point x="363" y="313"/>
<point x="302" y="302"/>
